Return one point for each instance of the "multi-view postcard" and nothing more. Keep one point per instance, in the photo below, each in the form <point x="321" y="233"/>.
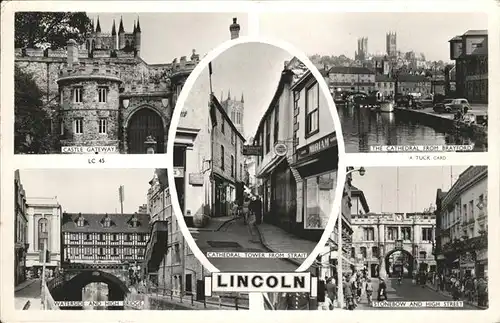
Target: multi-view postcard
<point x="283" y="175"/>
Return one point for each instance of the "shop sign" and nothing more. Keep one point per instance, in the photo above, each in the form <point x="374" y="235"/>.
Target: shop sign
<point x="196" y="179"/>
<point x="178" y="172"/>
<point x="280" y="149"/>
<point x="252" y="150"/>
<point x="482" y="254"/>
<point x="325" y="184"/>
<point x="317" y="146"/>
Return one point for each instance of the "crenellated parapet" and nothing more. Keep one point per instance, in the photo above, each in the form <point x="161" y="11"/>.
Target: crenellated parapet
<point x="183" y="66"/>
<point x="95" y="70"/>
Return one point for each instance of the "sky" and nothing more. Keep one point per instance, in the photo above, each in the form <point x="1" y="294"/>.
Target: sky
<point x="337" y="33"/>
<point x="253" y="69"/>
<point x="417" y="186"/>
<point x="166" y="36"/>
<point x="89" y="190"/>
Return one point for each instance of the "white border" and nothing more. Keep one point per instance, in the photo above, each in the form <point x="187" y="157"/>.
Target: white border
<point x="341" y="173"/>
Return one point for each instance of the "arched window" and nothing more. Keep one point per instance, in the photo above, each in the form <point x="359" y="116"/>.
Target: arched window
<point x="43" y="231"/>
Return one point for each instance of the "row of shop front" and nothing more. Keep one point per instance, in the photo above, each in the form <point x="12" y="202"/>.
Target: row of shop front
<point x="298" y="191"/>
<point x="464" y="262"/>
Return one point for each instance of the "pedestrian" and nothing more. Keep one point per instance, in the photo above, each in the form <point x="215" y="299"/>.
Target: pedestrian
<point x="349" y="299"/>
<point x="258" y="210"/>
<point x="456" y="290"/>
<point x="331" y="291"/>
<point x="382" y="290"/>
<point x="482" y="292"/>
<point x="246" y="209"/>
<point x="369" y="290"/>
<point x="294" y="301"/>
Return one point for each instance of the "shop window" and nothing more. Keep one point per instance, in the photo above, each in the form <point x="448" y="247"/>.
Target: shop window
<point x="318" y="199"/>
<point x="312" y="110"/>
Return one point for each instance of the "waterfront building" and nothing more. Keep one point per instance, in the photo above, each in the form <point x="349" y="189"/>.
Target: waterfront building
<point x="385" y="85"/>
<point x="169" y="260"/>
<point x="351" y="78"/>
<point x="101" y="96"/>
<point x="21" y="243"/>
<point x="410" y="83"/>
<point x="44" y="230"/>
<point x="91" y="238"/>
<point x="462" y="219"/>
<point x="470" y="53"/>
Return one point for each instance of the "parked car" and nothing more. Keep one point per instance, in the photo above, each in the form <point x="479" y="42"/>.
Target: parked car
<point x="452" y="105"/>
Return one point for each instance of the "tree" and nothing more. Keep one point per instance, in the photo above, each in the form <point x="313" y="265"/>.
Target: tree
<point x="50" y="29"/>
<point x="32" y="123"/>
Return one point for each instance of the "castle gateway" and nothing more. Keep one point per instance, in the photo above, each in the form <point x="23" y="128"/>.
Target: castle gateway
<point x="102" y="97"/>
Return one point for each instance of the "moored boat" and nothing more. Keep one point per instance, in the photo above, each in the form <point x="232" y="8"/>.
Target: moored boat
<point x="387" y="106"/>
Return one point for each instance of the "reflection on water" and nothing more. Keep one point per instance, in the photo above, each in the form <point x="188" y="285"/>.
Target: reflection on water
<point x="363" y="128"/>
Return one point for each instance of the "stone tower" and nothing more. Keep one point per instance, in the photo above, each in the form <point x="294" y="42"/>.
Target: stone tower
<point x="235" y="110"/>
<point x="121" y="35"/>
<point x="138" y="38"/>
<point x="234" y="28"/>
<point x="390" y="43"/>
<point x="362" y="52"/>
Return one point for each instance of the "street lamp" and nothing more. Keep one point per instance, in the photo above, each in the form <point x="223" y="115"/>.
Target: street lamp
<point x="361" y="171"/>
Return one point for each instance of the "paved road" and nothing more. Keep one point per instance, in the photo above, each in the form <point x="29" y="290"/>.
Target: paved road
<point x="246" y="241"/>
<point x="32" y="293"/>
<point x="409" y="292"/>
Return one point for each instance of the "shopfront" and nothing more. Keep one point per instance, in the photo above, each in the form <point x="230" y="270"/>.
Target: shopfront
<point x="317" y="164"/>
<point x="482" y="263"/>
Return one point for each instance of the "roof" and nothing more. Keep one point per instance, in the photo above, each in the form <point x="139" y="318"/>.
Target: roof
<point x="383" y="78"/>
<point x="456" y="38"/>
<point x="301" y="82"/>
<point x="411" y="78"/>
<point x="120" y="223"/>
<point x="224" y="114"/>
<point x="476" y="32"/>
<point x="350" y="70"/>
<point x="465" y="177"/>
<point x="286" y="74"/>
<point x="357" y="192"/>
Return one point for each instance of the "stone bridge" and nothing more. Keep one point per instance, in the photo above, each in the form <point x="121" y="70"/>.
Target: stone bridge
<point x="75" y="276"/>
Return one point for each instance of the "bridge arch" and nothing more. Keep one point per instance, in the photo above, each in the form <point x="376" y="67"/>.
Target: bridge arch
<point x="71" y="290"/>
<point x="406" y="264"/>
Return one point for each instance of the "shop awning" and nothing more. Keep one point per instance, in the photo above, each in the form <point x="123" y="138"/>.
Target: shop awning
<point x="270" y="166"/>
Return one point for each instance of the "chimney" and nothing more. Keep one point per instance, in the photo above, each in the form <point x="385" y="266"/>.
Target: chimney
<point x="72" y="49"/>
<point x="234" y="28"/>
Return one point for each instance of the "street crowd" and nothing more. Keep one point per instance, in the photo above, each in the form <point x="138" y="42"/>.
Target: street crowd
<point x="467" y="288"/>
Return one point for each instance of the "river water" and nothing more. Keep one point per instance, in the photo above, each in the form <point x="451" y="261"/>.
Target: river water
<point x="363" y="128"/>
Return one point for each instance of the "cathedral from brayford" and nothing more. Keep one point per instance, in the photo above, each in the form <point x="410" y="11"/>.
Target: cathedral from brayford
<point x="102" y="97"/>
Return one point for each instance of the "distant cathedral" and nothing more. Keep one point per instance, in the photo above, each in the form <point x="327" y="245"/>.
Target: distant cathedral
<point x="114" y="41"/>
<point x="234" y="110"/>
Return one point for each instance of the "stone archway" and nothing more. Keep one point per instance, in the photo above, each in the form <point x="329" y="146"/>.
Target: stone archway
<point x="143" y="123"/>
<point x="72" y="289"/>
<point x="405" y="264"/>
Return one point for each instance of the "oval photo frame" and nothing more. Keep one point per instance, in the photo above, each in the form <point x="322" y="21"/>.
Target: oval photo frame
<point x="341" y="171"/>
